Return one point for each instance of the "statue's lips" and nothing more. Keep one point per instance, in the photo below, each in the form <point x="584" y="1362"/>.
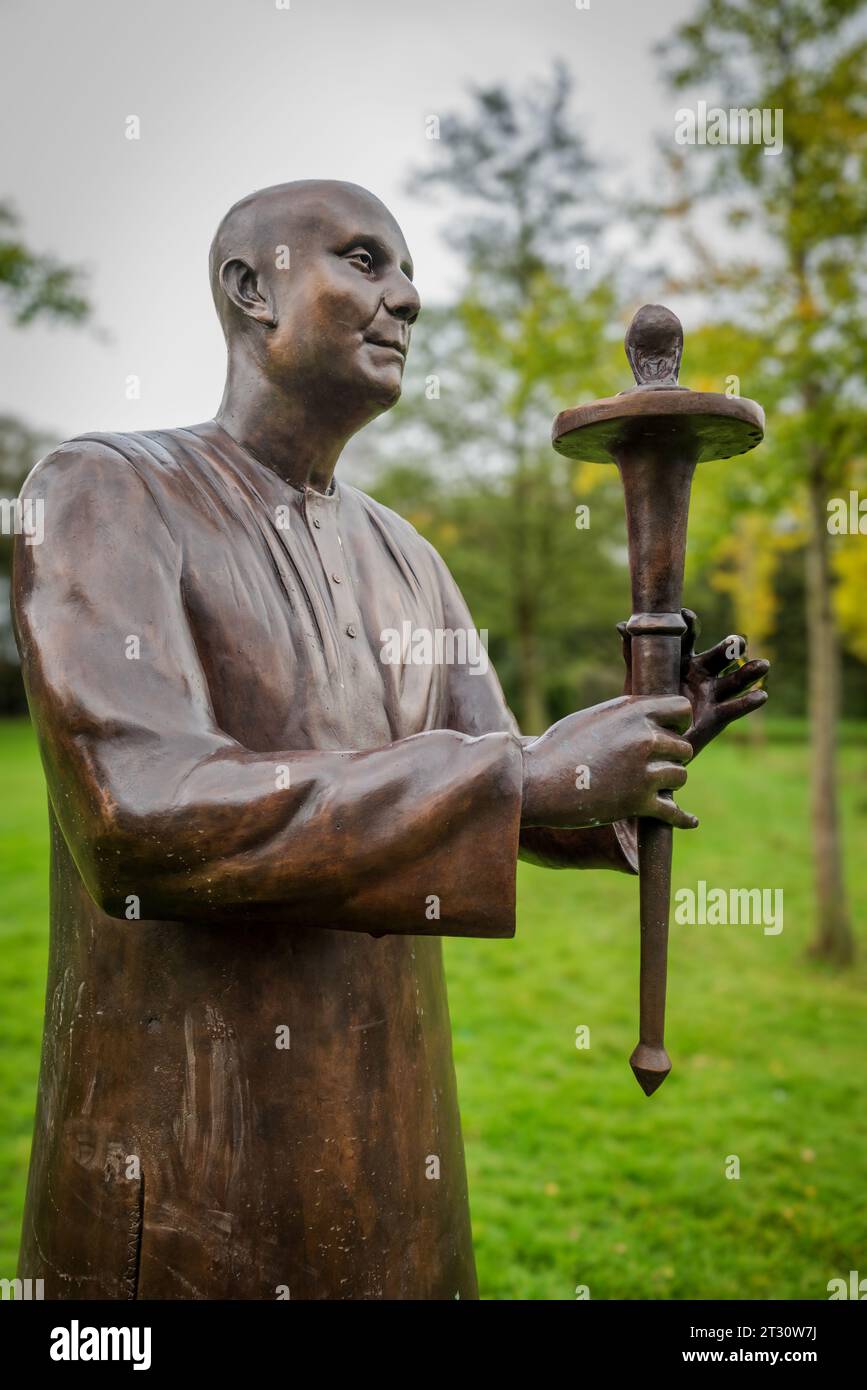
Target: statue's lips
<point x="390" y="344"/>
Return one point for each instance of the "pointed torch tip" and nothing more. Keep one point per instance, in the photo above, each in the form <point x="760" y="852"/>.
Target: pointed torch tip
<point x="651" y="1066"/>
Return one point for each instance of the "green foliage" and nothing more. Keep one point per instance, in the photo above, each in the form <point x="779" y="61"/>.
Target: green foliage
<point x="527" y="183"/>
<point x="32" y="285"/>
<point x="790" y="290"/>
<point x="466" y="455"/>
<point x="20" y="448"/>
<point x="800" y="289"/>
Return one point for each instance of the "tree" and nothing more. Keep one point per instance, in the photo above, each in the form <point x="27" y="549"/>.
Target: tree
<point x="32" y="286"/>
<point x="530" y="333"/>
<point x="20" y="447"/>
<point x="798" y="288"/>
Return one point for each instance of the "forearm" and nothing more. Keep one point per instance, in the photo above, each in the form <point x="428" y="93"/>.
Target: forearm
<point x="419" y="836"/>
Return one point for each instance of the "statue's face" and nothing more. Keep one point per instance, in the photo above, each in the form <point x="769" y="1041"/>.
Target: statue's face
<point x="345" y="305"/>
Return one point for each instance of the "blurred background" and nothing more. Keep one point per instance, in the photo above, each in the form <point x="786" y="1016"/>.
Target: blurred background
<point x="530" y="152"/>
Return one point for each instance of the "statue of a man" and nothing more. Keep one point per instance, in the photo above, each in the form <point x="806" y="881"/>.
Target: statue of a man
<point x="260" y="829"/>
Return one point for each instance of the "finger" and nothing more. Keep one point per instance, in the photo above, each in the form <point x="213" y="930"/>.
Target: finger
<point x="671" y="712"/>
<point x="737" y="681"/>
<point x="731" y="710"/>
<point x="666" y="809"/>
<point x="667" y="747"/>
<point x="666" y="777"/>
<point x="716" y="659"/>
<point x="692" y="634"/>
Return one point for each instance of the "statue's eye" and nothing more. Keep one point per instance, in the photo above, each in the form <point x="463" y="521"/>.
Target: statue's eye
<point x="363" y="259"/>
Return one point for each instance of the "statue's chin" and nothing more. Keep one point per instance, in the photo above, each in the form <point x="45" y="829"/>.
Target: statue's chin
<point x="361" y="396"/>
<point x="385" y="392"/>
<point x="393" y="395"/>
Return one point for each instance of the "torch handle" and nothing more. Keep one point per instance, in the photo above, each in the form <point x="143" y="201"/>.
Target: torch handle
<point x="657" y="476"/>
<point x="654" y="867"/>
<point x="656" y="648"/>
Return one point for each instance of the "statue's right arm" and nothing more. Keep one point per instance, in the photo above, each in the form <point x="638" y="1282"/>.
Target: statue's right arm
<point x="155" y="800"/>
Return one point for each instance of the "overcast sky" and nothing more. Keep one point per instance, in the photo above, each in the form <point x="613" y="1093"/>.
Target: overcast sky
<point x="233" y="95"/>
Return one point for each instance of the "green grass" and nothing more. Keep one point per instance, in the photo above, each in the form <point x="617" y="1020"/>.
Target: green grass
<point x="575" y="1177"/>
<point x="23" y="958"/>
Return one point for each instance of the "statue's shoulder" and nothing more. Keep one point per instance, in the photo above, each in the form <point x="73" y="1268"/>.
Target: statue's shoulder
<point x="102" y="459"/>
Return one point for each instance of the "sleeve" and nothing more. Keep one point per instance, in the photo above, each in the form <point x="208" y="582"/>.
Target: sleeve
<point x="477" y="706"/>
<point x="156" y="801"/>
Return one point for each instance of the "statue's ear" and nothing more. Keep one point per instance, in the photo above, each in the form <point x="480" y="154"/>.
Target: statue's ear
<point x="243" y="287"/>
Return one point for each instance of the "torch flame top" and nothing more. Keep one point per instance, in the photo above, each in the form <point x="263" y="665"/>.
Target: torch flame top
<point x="654" y="345"/>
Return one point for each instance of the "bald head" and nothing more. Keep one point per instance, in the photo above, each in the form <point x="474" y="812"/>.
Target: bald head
<point x="313" y="285"/>
<point x="258" y="227"/>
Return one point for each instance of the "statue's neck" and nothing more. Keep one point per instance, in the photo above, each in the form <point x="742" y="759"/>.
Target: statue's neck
<point x="293" y="437"/>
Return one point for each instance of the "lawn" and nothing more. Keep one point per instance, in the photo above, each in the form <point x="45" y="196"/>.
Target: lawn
<point x="575" y="1177"/>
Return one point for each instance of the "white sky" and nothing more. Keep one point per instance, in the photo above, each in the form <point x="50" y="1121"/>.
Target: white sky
<point x="234" y="95"/>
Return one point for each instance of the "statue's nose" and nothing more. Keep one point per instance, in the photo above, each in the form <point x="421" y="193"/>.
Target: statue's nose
<point x="402" y="301"/>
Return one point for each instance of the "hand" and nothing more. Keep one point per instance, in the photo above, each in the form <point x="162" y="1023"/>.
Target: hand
<point x="610" y="762"/>
<point x="716" y="682"/>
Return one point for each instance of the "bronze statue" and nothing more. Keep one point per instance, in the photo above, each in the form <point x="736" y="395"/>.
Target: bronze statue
<point x="260" y="829"/>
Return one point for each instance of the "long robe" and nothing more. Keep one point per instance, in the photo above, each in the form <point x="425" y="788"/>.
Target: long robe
<point x="260" y="829"/>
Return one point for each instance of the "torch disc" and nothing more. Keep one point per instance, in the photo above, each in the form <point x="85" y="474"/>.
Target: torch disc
<point x="703" y="423"/>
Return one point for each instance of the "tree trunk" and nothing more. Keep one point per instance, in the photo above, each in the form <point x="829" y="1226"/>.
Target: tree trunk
<point x="833" y="940"/>
<point x="533" y="718"/>
<point x="532" y="712"/>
